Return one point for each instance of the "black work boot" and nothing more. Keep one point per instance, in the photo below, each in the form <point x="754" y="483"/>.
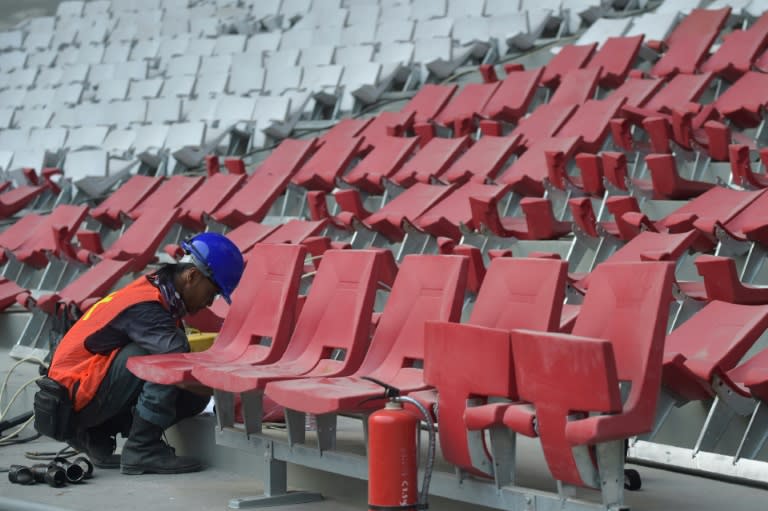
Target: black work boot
<point x="145" y="452"/>
<point x="98" y="445"/>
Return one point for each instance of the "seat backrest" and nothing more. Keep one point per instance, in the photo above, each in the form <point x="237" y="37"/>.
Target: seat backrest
<point x="248" y="234"/>
<point x="456" y="209"/>
<point x="295" y="231"/>
<point x="662" y="246"/>
<point x="717" y="336"/>
<point x="717" y="204"/>
<point x="52" y="235"/>
<point x="267" y="181"/>
<point x="141" y="240"/>
<point x="427" y="288"/>
<point x="264" y="303"/>
<point x="169" y="194"/>
<point x="345" y="281"/>
<point x="429" y="101"/>
<point x="94" y="283"/>
<point x="628" y="305"/>
<point x="214" y="191"/>
<point x="521" y="293"/>
<point x="748" y="216"/>
<point x="127" y="197"/>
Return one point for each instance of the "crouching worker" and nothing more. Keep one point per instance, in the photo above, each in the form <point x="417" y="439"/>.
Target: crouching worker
<point x="89" y="365"/>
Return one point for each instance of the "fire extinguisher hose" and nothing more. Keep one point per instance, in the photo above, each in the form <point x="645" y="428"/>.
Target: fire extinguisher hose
<point x="430" y="461"/>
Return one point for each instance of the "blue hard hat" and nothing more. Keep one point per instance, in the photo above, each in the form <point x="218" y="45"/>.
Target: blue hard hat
<point x="218" y="258"/>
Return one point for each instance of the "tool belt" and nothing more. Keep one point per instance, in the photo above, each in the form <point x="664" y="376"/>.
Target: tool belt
<point x="54" y="410"/>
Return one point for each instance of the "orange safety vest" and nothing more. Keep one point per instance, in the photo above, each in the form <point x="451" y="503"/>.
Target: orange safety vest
<point x="76" y="368"/>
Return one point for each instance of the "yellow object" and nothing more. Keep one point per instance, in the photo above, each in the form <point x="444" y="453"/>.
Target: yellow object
<point x="200" y="341"/>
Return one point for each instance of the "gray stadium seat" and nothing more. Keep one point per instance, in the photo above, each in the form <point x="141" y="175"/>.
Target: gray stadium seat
<point x="317" y="55"/>
<point x="263" y="8"/>
<point x="229" y="44"/>
<point x="210" y="84"/>
<point x="246" y="79"/>
<point x="41" y="58"/>
<point x="202" y="47"/>
<point x="462" y="9"/>
<point x="93" y="33"/>
<point x="360" y="33"/>
<point x="280" y="78"/>
<point x="286" y="58"/>
<point x="96" y="7"/>
<point x="13" y="139"/>
<point x="297" y="38"/>
<point x="428" y="10"/>
<point x="471" y="29"/>
<point x="163" y="110"/>
<point x="145" y="89"/>
<point x="115" y="89"/>
<point x="86" y="136"/>
<point x="604" y="28"/>
<point x="12" y="60"/>
<point x="119" y="142"/>
<point x="68" y="94"/>
<point x="261" y="42"/>
<point x="64" y="34"/>
<point x="184" y="134"/>
<point x="203" y="26"/>
<point x="362" y="13"/>
<point x="182" y="65"/>
<point x="100" y="72"/>
<point x="215" y="64"/>
<point x="654" y="26"/>
<point x="6" y="117"/>
<point x="355" y="76"/>
<point x="116" y="52"/>
<point x="39" y="118"/>
<point x="11" y="40"/>
<point x="395" y="11"/>
<point x="79" y="164"/>
<point x="394" y="30"/>
<point x="50" y="77"/>
<point x="174" y="24"/>
<point x="34" y="158"/>
<point x="124" y="113"/>
<point x="145" y="49"/>
<point x="34" y="98"/>
<point x="132" y="70"/>
<point x="70" y="9"/>
<point x="6" y="157"/>
<point x="353" y="55"/>
<point x="150" y="137"/>
<point x="201" y="109"/>
<point x="172" y="47"/>
<point x="50" y="139"/>
<point x="178" y="86"/>
<point x="430" y="28"/>
<point x="20" y="78"/>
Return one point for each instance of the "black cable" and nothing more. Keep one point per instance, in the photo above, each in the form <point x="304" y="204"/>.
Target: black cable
<point x="16" y="441"/>
<point x="15" y="421"/>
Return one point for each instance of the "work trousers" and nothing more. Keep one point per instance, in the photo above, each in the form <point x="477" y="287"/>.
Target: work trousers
<point x="121" y="390"/>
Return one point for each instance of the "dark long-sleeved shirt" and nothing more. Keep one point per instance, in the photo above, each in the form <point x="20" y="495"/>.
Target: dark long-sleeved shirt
<point x="148" y="324"/>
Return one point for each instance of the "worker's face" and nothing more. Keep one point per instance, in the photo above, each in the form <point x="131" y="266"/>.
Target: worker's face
<point x="199" y="291"/>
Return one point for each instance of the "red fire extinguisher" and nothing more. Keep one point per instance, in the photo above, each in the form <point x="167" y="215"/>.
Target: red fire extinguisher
<point x="393" y="455"/>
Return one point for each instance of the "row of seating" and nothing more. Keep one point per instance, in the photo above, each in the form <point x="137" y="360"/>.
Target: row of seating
<point x="322" y="378"/>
